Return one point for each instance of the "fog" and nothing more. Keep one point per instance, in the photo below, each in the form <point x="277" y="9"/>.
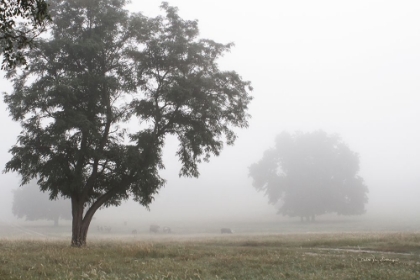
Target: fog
<point x="346" y="67"/>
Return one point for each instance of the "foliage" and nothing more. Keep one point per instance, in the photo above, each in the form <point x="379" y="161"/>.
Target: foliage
<point x="21" y="21"/>
<point x="102" y="71"/>
<point x="32" y="204"/>
<point x="311" y="174"/>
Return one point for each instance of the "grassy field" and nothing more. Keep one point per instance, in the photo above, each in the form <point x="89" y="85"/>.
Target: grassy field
<point x="237" y="256"/>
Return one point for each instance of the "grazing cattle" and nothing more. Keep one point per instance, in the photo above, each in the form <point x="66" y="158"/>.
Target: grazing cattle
<point x="154" y="228"/>
<point x="226" y="230"/>
<point x="167" y="230"/>
<point x="103" y="228"/>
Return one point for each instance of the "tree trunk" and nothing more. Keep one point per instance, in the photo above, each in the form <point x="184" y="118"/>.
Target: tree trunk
<point x="81" y="220"/>
<point x="80" y="224"/>
<point x="78" y="238"/>
<point x="80" y="231"/>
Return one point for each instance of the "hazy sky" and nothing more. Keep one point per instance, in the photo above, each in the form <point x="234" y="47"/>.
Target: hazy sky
<point x="347" y="67"/>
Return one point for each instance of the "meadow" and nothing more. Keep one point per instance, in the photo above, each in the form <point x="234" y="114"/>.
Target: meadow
<point x="357" y="255"/>
<point x="271" y="248"/>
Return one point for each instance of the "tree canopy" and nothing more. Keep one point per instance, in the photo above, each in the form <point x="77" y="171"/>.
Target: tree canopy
<point x="310" y="174"/>
<point x="98" y="98"/>
<point x="21" y="21"/>
<point x="31" y="204"/>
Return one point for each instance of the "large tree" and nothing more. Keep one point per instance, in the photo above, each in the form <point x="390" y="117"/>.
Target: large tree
<point x="21" y="21"/>
<point x="30" y="203"/>
<point x="99" y="97"/>
<point x="309" y="174"/>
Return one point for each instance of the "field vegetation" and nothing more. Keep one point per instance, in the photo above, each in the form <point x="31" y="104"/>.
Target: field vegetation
<point x="237" y="256"/>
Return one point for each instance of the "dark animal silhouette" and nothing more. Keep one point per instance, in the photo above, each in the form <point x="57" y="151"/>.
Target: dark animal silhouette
<point x="226" y="230"/>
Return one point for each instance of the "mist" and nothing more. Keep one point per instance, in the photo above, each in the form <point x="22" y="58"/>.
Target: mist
<point x="349" y="68"/>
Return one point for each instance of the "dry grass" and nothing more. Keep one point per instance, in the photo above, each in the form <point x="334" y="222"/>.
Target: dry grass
<point x="287" y="256"/>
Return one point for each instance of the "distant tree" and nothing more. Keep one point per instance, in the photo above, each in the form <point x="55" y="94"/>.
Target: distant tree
<point x="21" y="21"/>
<point x="32" y="204"/>
<point x="310" y="174"/>
<point x="102" y="70"/>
